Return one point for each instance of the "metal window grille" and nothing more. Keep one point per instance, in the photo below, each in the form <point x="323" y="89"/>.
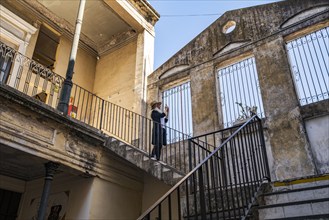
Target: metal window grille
<point x="309" y="63"/>
<point x="239" y="89"/>
<point x="180" y="116"/>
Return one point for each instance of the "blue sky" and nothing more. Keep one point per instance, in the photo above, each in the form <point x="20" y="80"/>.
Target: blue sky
<point x="182" y="20"/>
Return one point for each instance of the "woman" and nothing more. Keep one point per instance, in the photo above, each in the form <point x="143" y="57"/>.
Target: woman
<point x="158" y="132"/>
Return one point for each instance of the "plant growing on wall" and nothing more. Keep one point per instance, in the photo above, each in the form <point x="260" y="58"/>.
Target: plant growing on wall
<point x="246" y="111"/>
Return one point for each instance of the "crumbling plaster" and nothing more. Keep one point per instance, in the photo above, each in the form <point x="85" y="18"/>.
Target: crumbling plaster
<point x="30" y="126"/>
<point x="258" y="33"/>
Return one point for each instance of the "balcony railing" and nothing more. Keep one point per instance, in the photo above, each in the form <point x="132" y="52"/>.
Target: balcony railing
<point x="224" y="184"/>
<point x="35" y="80"/>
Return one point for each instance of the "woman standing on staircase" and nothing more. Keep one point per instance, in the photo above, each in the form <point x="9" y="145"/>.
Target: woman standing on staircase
<point x="158" y="132"/>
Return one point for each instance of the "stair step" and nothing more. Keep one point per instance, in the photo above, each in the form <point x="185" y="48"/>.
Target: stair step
<point x="139" y="158"/>
<point x="305" y="217"/>
<point x="294" y="209"/>
<point x="226" y="214"/>
<point x="177" y="176"/>
<point x="303" y="183"/>
<point x="294" y="195"/>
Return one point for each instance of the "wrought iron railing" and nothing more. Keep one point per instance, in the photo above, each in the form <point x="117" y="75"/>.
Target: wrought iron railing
<point x="35" y="80"/>
<point x="224" y="184"/>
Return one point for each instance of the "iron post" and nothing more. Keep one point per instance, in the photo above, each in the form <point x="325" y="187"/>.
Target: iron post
<point x="51" y="168"/>
<point x="67" y="87"/>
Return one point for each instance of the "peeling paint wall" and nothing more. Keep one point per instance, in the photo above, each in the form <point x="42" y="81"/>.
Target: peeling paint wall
<point x="317" y="132"/>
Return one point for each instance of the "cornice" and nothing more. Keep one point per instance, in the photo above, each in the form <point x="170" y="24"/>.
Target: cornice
<point x="146" y="10"/>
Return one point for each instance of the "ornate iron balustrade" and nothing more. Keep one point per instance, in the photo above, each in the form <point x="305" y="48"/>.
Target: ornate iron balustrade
<point x="225" y="183"/>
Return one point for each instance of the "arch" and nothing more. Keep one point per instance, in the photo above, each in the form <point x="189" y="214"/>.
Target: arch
<point x="173" y="70"/>
<point x="303" y="15"/>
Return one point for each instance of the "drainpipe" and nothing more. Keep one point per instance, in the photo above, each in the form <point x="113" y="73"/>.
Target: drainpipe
<point x="67" y="86"/>
<point x="51" y="168"/>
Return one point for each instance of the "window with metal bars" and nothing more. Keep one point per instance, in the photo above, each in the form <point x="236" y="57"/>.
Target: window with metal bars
<point x="239" y="90"/>
<point x="178" y="99"/>
<point x="309" y="63"/>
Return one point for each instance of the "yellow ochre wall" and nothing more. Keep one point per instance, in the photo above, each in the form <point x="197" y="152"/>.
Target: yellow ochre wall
<point x="84" y="68"/>
<point x="87" y="198"/>
<point x="115" y="76"/>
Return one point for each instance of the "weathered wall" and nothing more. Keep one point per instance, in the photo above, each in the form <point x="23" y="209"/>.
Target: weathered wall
<point x="77" y="146"/>
<point x="283" y="118"/>
<point x="99" y="184"/>
<point x="73" y="193"/>
<point x="317" y="131"/>
<point x="113" y="201"/>
<point x="84" y="68"/>
<point x="154" y="190"/>
<point x="121" y="74"/>
<point x="115" y="75"/>
<point x="203" y="89"/>
<point x="260" y="32"/>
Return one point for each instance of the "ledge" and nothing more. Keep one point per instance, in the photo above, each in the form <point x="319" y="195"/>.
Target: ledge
<point x="17" y="97"/>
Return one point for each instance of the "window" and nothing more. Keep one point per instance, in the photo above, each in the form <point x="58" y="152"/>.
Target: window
<point x="9" y="202"/>
<point x="309" y="63"/>
<point x="46" y="47"/>
<point x="180" y="116"/>
<point x="239" y="87"/>
<point x="6" y="60"/>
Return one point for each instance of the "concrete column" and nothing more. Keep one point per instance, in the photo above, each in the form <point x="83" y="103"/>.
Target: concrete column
<point x="51" y="168"/>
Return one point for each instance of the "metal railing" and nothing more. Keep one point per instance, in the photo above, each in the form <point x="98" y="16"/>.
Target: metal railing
<point x="136" y="130"/>
<point x="35" y="80"/>
<point x="309" y="62"/>
<point x="224" y="184"/>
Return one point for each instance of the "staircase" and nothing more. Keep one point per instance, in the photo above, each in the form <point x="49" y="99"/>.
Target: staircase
<point x="303" y="199"/>
<point x="224" y="183"/>
<point x="225" y="169"/>
<point x="141" y="159"/>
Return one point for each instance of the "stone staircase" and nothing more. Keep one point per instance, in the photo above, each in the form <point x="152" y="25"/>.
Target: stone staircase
<point x="141" y="159"/>
<point x="304" y="199"/>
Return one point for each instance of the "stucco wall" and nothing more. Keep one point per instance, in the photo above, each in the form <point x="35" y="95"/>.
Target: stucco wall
<point x="283" y="118"/>
<point x="73" y="193"/>
<point x="99" y="183"/>
<point x="115" y="76"/>
<point x="260" y="32"/>
<point x="153" y="191"/>
<point x="84" y="68"/>
<point x="87" y="198"/>
<point x="317" y="132"/>
<point x="112" y="201"/>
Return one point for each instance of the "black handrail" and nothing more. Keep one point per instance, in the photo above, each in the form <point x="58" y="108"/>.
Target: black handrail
<point x="209" y="189"/>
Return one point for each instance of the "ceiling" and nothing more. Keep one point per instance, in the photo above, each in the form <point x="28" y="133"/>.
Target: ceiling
<point x="106" y="24"/>
<point x="20" y="165"/>
<point x="100" y="23"/>
<point x="25" y="166"/>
